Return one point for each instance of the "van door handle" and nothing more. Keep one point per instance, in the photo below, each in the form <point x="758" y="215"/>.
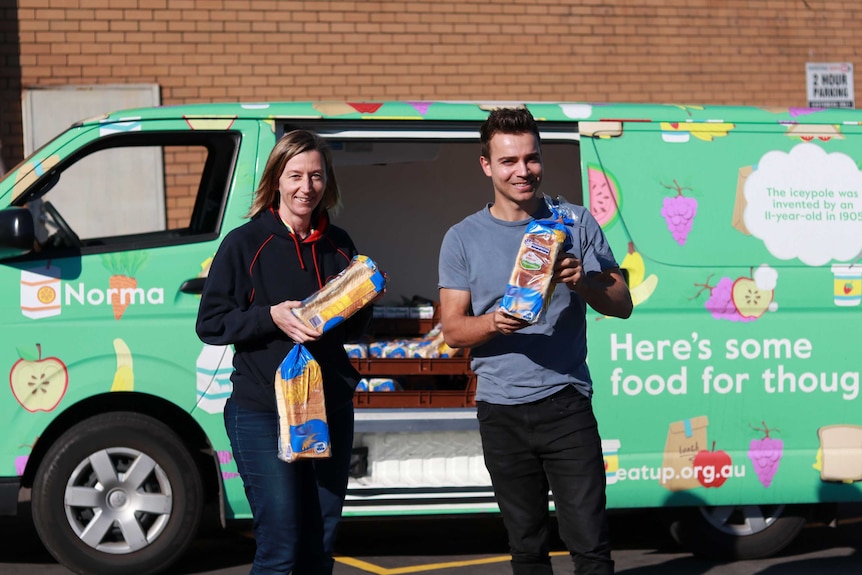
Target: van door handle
<point x="193" y="286"/>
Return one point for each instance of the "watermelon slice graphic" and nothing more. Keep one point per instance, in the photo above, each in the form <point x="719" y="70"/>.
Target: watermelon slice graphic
<point x="365" y="107"/>
<point x="604" y="195"/>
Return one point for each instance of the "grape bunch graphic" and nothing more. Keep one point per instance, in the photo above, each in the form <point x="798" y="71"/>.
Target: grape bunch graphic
<point x="720" y="303"/>
<point x="765" y="455"/>
<point x="679" y="211"/>
<point x="742" y="299"/>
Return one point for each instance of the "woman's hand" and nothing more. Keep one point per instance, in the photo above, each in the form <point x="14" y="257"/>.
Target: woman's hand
<point x="383" y="291"/>
<point x="290" y="324"/>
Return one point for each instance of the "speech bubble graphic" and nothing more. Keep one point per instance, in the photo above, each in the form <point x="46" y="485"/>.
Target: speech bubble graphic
<point x="806" y="204"/>
<point x="577" y="111"/>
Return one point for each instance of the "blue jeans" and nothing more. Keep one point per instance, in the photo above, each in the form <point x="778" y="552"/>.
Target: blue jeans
<point x="296" y="506"/>
<point x="552" y="443"/>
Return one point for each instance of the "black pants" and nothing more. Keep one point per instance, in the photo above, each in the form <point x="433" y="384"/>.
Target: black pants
<point x="553" y="443"/>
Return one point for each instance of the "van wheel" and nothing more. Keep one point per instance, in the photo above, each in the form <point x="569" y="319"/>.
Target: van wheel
<point x="739" y="532"/>
<point x="117" y="493"/>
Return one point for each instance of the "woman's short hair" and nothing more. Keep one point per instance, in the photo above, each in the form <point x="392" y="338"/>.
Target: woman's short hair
<point x="289" y="146"/>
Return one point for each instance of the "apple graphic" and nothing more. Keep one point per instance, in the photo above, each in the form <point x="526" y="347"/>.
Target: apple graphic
<point x="748" y="299"/>
<point x="38" y="383"/>
<point x="715" y="461"/>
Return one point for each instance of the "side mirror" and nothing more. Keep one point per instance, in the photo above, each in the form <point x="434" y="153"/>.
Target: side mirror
<point x="17" y="233"/>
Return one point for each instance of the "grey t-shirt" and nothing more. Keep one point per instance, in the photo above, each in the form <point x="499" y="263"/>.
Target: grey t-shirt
<point x="477" y="255"/>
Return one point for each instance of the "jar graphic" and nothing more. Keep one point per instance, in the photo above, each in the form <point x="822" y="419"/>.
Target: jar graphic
<point x="610" y="453"/>
<point x="213" y="369"/>
<point x="40" y="292"/>
<point x="847" y="284"/>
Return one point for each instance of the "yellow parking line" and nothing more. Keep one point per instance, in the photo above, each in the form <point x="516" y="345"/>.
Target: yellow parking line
<point x="378" y="570"/>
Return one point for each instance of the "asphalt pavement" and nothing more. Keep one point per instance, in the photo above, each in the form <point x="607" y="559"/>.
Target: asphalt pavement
<point x="477" y="546"/>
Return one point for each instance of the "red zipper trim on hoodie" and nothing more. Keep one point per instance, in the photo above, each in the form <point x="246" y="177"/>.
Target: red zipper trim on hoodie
<point x="298" y="252"/>
<point x="316" y="267"/>
<point x="312" y="239"/>
<point x="339" y="250"/>
<point x="254" y="261"/>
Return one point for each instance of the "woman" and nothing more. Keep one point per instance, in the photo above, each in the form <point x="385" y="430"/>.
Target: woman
<point x="287" y="251"/>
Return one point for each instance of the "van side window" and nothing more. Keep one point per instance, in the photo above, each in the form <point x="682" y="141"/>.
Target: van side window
<point x="130" y="191"/>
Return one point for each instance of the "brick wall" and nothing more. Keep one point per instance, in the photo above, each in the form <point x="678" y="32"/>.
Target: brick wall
<point x="184" y="166"/>
<point x="687" y="51"/>
<point x="11" y="147"/>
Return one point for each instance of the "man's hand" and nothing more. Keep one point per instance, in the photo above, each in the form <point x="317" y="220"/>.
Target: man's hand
<point x="504" y="324"/>
<point x="568" y="270"/>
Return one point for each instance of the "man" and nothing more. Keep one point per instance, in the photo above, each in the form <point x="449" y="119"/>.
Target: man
<point x="534" y="389"/>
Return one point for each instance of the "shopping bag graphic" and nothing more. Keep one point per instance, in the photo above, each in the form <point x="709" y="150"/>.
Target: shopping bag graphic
<point x="684" y="439"/>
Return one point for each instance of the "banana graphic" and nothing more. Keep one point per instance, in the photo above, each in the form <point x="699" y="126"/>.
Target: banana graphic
<point x="688" y="107"/>
<point x="706" y="131"/>
<point x="641" y="292"/>
<point x="124" y="377"/>
<point x="634" y="264"/>
<point x="640" y="286"/>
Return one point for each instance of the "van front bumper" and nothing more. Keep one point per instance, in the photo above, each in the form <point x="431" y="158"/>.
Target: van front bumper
<point x="9" y="488"/>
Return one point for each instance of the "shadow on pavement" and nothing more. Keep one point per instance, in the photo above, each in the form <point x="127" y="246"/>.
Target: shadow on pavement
<point x="642" y="546"/>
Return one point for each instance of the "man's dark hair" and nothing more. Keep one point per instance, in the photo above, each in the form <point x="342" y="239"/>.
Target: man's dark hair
<point x="507" y="121"/>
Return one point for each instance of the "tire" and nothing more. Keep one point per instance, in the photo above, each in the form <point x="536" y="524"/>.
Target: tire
<point x="739" y="532"/>
<point x="117" y="493"/>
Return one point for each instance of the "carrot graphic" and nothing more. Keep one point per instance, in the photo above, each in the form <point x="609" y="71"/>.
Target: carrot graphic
<point x="123" y="267"/>
<point x="119" y="302"/>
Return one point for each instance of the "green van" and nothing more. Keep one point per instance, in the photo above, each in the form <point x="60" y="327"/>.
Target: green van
<point x="730" y="398"/>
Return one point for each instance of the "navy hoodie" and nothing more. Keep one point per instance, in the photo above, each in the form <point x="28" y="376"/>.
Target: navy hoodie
<point x="261" y="264"/>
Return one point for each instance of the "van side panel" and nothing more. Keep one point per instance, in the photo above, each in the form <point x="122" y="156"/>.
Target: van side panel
<point x="736" y="379"/>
